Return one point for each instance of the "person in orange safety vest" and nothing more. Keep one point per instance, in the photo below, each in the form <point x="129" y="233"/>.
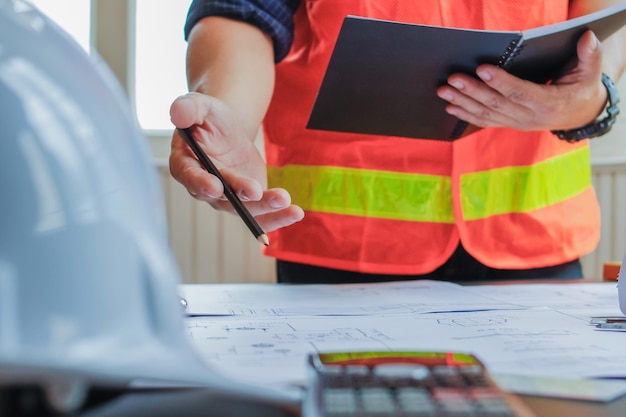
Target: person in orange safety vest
<point x="510" y="201"/>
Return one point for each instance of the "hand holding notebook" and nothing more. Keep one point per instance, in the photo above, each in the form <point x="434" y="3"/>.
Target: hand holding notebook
<point x="370" y="84"/>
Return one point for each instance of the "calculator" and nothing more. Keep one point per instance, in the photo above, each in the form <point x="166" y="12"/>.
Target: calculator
<point x="404" y="384"/>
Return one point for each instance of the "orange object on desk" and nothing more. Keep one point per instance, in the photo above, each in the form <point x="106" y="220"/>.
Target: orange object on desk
<point x="610" y="271"/>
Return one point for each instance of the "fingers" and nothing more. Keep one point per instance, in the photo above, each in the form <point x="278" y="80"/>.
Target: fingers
<point x="185" y="169"/>
<point x="273" y="211"/>
<point x="246" y="188"/>
<point x="282" y="218"/>
<point x="272" y="200"/>
<point x="500" y="100"/>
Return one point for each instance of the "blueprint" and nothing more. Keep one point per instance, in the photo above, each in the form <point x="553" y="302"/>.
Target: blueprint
<point x="539" y="331"/>
<point x="404" y="297"/>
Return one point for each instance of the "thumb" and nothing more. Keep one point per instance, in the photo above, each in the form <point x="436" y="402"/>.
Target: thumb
<point x="191" y="109"/>
<point x="589" y="50"/>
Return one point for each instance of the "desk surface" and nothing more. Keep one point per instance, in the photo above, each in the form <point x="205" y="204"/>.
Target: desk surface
<point x="279" y="313"/>
<point x="566" y="306"/>
<point x="197" y="403"/>
<point x="551" y="407"/>
<point x="204" y="403"/>
<point x="547" y="407"/>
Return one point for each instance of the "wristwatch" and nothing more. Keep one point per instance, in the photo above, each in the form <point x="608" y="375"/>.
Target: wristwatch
<point x="597" y="127"/>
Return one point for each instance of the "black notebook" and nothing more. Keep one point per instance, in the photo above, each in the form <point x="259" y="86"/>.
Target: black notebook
<point x="383" y="76"/>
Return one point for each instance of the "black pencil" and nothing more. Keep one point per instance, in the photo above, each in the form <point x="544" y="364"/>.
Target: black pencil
<point x="243" y="212"/>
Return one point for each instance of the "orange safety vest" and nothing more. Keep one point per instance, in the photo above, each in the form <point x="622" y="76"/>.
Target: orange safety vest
<point x="400" y="206"/>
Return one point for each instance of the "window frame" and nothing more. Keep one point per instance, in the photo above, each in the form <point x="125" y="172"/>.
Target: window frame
<point x="113" y="38"/>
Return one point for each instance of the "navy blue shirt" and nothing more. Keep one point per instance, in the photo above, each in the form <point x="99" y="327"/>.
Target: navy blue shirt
<point x="273" y="17"/>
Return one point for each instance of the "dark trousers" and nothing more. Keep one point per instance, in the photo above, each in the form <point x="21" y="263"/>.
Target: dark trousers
<point x="460" y="267"/>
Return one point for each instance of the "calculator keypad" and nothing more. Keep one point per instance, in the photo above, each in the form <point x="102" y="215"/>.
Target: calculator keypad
<point x="409" y="390"/>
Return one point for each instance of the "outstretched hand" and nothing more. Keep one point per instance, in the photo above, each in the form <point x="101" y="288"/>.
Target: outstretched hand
<point x="499" y="99"/>
<point x="216" y="129"/>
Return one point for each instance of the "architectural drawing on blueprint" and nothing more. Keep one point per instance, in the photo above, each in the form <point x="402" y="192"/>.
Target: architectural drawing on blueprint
<point x="527" y="342"/>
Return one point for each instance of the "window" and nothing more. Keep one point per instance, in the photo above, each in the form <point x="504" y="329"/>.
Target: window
<point x="159" y="60"/>
<point x="71" y="15"/>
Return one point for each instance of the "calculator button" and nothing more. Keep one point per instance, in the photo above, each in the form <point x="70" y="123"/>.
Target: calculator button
<point x="331" y="370"/>
<point x="390" y="370"/>
<point x="490" y="403"/>
<point x="356" y="370"/>
<point x="334" y="376"/>
<point x="484" y="393"/>
<point x="397" y="375"/>
<point x="447" y="376"/>
<point x="415" y="402"/>
<point x="453" y="402"/>
<point x="360" y="376"/>
<point x="420" y="373"/>
<point x="377" y="402"/>
<point x="494" y="409"/>
<point x="339" y="402"/>
<point x="474" y="376"/>
<point x="471" y="371"/>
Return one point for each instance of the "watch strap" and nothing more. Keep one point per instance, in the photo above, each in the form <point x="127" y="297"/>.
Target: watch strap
<point x="597" y="127"/>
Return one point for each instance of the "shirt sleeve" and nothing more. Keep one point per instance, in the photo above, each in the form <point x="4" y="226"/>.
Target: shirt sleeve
<point x="274" y="17"/>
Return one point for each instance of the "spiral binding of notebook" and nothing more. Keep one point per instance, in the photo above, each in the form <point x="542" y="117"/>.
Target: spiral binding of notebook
<point x="511" y="52"/>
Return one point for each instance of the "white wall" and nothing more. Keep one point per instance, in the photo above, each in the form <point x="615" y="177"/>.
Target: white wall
<point x="611" y="148"/>
<point x="608" y="155"/>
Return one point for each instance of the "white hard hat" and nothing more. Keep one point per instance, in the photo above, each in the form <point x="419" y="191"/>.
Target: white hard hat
<point x="88" y="283"/>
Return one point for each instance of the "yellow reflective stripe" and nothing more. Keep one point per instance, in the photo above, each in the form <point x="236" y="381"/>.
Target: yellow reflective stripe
<point x="368" y="193"/>
<point x="522" y="189"/>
